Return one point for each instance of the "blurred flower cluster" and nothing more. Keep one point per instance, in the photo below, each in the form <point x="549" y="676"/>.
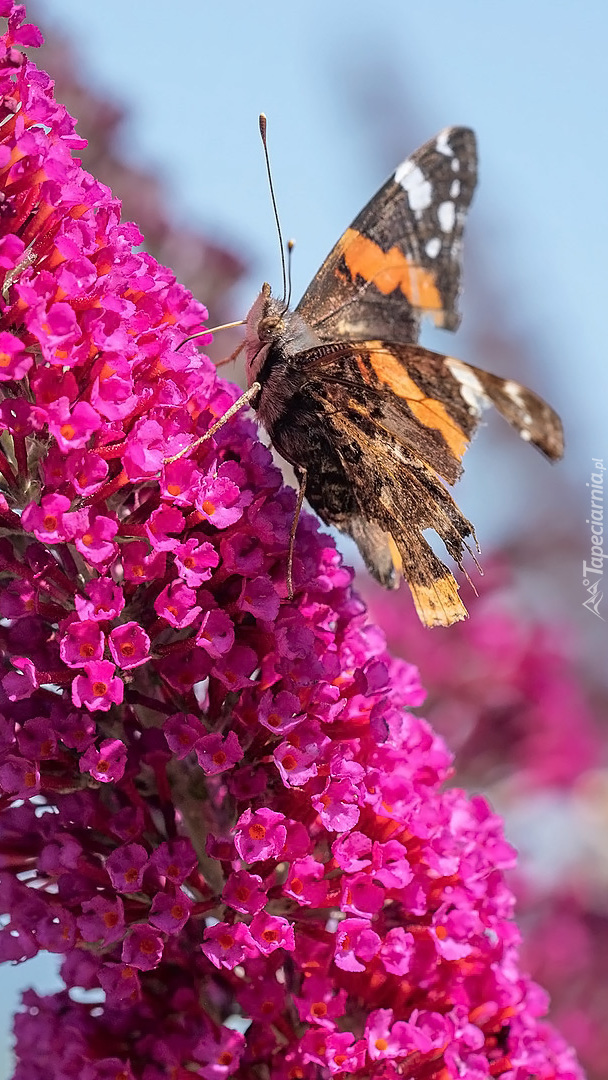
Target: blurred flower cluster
<point x="506" y="693"/>
<point x="215" y="805"/>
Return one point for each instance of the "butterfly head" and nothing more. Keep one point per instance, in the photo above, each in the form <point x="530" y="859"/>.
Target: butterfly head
<point x="264" y="326"/>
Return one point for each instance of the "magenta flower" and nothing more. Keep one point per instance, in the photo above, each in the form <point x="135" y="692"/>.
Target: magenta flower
<point x="216" y="754"/>
<point x="107" y="763"/>
<point x="355" y="942"/>
<point x="129" y="645"/>
<point x="227" y="945"/>
<point x="126" y="866"/>
<point x="102" y="920"/>
<point x="81" y="643"/>
<point x="14" y="361"/>
<point x="99" y="688"/>
<point x="170" y="912"/>
<point x="271" y="932"/>
<point x="175" y="860"/>
<point x="176" y="605"/>
<point x="50" y="522"/>
<point x="142" y="948"/>
<point x="237" y="814"/>
<point x="182" y="732"/>
<point x="260" y="835"/>
<point x="245" y="892"/>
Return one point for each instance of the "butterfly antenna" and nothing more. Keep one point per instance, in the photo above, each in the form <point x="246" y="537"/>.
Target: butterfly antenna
<point x="274" y="201"/>
<point x="290" y="246"/>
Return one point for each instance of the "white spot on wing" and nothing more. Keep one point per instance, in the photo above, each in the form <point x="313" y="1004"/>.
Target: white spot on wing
<point x="433" y="247"/>
<point x="513" y="390"/>
<point x="419" y="190"/>
<point x="446" y="212"/>
<point x="455" y="189"/>
<point x="455" y="165"/>
<point x="442" y="144"/>
<point x="470" y="387"/>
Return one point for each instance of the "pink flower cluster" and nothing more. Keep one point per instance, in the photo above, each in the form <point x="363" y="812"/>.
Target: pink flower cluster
<point x="215" y="804"/>
<point x="510" y="697"/>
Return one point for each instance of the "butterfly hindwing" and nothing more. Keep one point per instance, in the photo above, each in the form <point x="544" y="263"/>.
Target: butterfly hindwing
<point x="401" y="257"/>
<point x="384" y="425"/>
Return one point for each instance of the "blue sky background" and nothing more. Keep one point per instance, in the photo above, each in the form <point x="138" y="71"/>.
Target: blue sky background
<point x="339" y="82"/>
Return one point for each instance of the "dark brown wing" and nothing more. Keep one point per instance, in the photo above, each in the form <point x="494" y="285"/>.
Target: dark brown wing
<point x="376" y="426"/>
<point x="401" y="257"/>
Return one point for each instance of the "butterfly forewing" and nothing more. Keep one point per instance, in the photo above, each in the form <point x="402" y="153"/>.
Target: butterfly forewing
<point x="401" y="257"/>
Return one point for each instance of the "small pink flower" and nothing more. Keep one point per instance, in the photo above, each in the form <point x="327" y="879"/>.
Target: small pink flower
<point x="170" y="911"/>
<point x="103" y="920"/>
<point x="226" y="945"/>
<point x="50" y="522"/>
<point x="351" y="851"/>
<point x="81" y="643"/>
<point x="219" y="501"/>
<point x="99" y="688"/>
<point x="222" y="1057"/>
<point x="271" y="932"/>
<point x="182" y="732"/>
<point x="215" y="753"/>
<point x="319" y="1004"/>
<point x="106" y="764"/>
<point x="14" y="361"/>
<point x="235" y="668"/>
<point x="385" y="1039"/>
<point x="175" y="859"/>
<point x="260" y="598"/>
<point x="337" y="805"/>
<point x="397" y="951"/>
<point x="244" y="892"/>
<point x="281" y="712"/>
<point x="161" y="523"/>
<point x="355" y="941"/>
<point x="19" y="777"/>
<point x="195" y="561"/>
<point x="104" y="600"/>
<point x="295" y="765"/>
<point x="140" y="563"/>
<point x="120" y="982"/>
<point x="95" y="539"/>
<point x="129" y="645"/>
<point x="360" y="895"/>
<point x="216" y="633"/>
<point x="126" y="867"/>
<point x="142" y="948"/>
<point x="305" y="882"/>
<point x="72" y="428"/>
<point x="260" y="835"/>
<point x="176" y="604"/>
<point x="179" y="482"/>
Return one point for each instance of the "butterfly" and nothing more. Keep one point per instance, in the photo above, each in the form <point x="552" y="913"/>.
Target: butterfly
<point x="373" y="424"/>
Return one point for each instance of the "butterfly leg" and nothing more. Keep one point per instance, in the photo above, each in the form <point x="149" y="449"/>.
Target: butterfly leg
<point x="244" y="399"/>
<point x="302" y="474"/>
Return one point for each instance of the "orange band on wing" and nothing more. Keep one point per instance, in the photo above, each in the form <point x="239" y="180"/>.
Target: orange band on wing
<point x="430" y="412"/>
<point x="389" y="270"/>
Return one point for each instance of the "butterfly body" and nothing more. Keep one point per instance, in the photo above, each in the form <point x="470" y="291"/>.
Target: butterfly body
<point x="373" y="423"/>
